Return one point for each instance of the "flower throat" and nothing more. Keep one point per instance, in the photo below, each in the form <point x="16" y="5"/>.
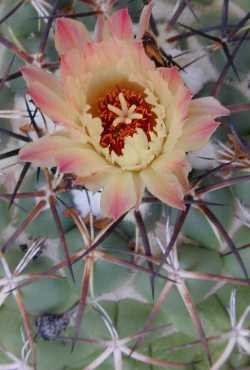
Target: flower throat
<point x="123" y="111"/>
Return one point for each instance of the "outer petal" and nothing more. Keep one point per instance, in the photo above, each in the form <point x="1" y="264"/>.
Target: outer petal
<point x="176" y="85"/>
<point x="70" y="34"/>
<point x="68" y="155"/>
<point x="99" y="28"/>
<point x="43" y="151"/>
<point x="94" y="182"/>
<point x="53" y="105"/>
<point x="197" y="133"/>
<point x="164" y="186"/>
<point x="121" y="25"/>
<point x="38" y="75"/>
<point x="139" y="188"/>
<point x="81" y="160"/>
<point x="47" y="93"/>
<point x="72" y="79"/>
<point x="175" y="97"/>
<point x="120" y="194"/>
<point x="173" y="77"/>
<point x="73" y="74"/>
<point x="144" y="20"/>
<point x="207" y="106"/>
<point x="71" y="64"/>
<point x="200" y="124"/>
<point x="176" y="163"/>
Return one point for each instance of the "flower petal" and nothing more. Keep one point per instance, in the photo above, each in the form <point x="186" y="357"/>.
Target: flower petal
<point x="99" y="28"/>
<point x="81" y="160"/>
<point x="175" y="97"/>
<point x="164" y="186"/>
<point x="53" y="105"/>
<point x="181" y="93"/>
<point x="175" y="162"/>
<point x="38" y="75"/>
<point x="70" y="34"/>
<point x="207" y="106"/>
<point x="121" y="25"/>
<point x="144" y="20"/>
<point x="139" y="188"/>
<point x="69" y="155"/>
<point x="94" y="182"/>
<point x="196" y="133"/>
<point x="47" y="93"/>
<point x="71" y="64"/>
<point x="121" y="192"/>
<point x="173" y="77"/>
<point x="200" y="124"/>
<point x="43" y="151"/>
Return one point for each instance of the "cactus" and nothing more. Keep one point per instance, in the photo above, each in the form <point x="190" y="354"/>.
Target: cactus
<point x="156" y="286"/>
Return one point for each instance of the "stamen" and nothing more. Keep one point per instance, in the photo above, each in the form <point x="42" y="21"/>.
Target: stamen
<point x="123" y="111"/>
<point x="132" y="108"/>
<point x="123" y="102"/>
<point x="119" y="120"/>
<point x="124" y="114"/>
<point x="135" y="116"/>
<point x="127" y="120"/>
<point x="115" y="110"/>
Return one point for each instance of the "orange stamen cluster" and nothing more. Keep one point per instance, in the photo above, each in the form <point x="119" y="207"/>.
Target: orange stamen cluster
<point x="113" y="136"/>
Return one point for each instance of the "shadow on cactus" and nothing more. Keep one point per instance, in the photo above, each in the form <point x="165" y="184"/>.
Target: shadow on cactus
<point x="124" y="190"/>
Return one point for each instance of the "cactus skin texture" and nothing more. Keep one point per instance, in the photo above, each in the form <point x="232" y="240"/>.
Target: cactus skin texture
<point x="157" y="287"/>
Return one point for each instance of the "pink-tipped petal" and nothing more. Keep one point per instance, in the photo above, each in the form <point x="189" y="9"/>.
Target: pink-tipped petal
<point x="184" y="99"/>
<point x="176" y="163"/>
<point x="94" y="182"/>
<point x="68" y="155"/>
<point x="196" y="133"/>
<point x="43" y="151"/>
<point x="47" y="93"/>
<point x="121" y="25"/>
<point x="207" y="106"/>
<point x="165" y="187"/>
<point x="72" y="77"/>
<point x="99" y="28"/>
<point x="70" y="34"/>
<point x="71" y="64"/>
<point x="81" y="160"/>
<point x="38" y="75"/>
<point x="119" y="195"/>
<point x="178" y="89"/>
<point x="200" y="123"/>
<point x="173" y="78"/>
<point x="52" y="104"/>
<point x="144" y="20"/>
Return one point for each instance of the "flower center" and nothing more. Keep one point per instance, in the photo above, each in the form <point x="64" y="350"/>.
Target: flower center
<point x="123" y="111"/>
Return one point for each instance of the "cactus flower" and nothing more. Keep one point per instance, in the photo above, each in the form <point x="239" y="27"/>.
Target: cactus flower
<point x="123" y="124"/>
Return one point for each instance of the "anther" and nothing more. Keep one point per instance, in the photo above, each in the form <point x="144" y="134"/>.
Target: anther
<point x="125" y="114"/>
